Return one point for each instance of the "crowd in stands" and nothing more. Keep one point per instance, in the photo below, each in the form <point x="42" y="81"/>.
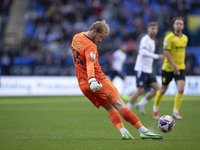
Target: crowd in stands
<point x="51" y="24"/>
<point x="4" y="11"/>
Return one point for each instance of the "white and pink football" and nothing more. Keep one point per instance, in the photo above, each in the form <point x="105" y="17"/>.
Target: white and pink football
<point x="166" y="123"/>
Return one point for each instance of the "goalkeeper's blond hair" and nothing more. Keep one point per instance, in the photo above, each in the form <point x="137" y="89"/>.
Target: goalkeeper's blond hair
<point x="100" y="26"/>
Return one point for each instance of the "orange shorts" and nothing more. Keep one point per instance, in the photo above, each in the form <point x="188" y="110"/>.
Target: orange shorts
<point x="107" y="94"/>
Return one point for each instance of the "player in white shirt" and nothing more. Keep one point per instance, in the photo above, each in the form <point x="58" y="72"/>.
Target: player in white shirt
<point x="118" y="59"/>
<point x="117" y="63"/>
<point x="143" y="67"/>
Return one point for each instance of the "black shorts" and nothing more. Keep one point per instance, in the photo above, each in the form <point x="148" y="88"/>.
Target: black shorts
<point x="115" y="73"/>
<point x="168" y="76"/>
<point x="144" y="79"/>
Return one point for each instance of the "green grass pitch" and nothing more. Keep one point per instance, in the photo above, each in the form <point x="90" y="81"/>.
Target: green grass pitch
<point x="73" y="123"/>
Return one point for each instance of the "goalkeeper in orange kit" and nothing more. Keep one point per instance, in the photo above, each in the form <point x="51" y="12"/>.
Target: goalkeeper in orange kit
<point x="96" y="86"/>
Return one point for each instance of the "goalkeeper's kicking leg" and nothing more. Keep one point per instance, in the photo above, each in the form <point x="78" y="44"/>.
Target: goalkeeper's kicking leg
<point x="116" y="120"/>
<point x="130" y="117"/>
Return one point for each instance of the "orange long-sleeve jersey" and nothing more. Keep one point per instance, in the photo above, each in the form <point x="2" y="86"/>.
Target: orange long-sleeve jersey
<point x="85" y="56"/>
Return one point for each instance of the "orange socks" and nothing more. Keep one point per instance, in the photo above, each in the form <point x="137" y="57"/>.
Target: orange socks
<point x="115" y="119"/>
<point x="130" y="117"/>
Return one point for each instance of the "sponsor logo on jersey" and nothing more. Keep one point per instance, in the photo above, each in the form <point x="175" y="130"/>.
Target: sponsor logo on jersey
<point x="165" y="43"/>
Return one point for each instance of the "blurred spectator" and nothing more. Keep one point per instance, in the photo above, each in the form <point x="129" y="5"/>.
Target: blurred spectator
<point x="4" y="12"/>
<point x="51" y="24"/>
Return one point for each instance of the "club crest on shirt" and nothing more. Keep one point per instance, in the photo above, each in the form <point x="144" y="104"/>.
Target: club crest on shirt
<point x="92" y="54"/>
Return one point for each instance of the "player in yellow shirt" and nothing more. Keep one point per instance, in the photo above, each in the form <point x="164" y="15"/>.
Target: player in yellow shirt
<point x="173" y="67"/>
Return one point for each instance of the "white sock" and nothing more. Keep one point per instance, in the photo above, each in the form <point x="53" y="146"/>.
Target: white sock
<point x="143" y="101"/>
<point x="155" y="108"/>
<point x="129" y="105"/>
<point x="142" y="129"/>
<point x="123" y="130"/>
<point x="175" y="111"/>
